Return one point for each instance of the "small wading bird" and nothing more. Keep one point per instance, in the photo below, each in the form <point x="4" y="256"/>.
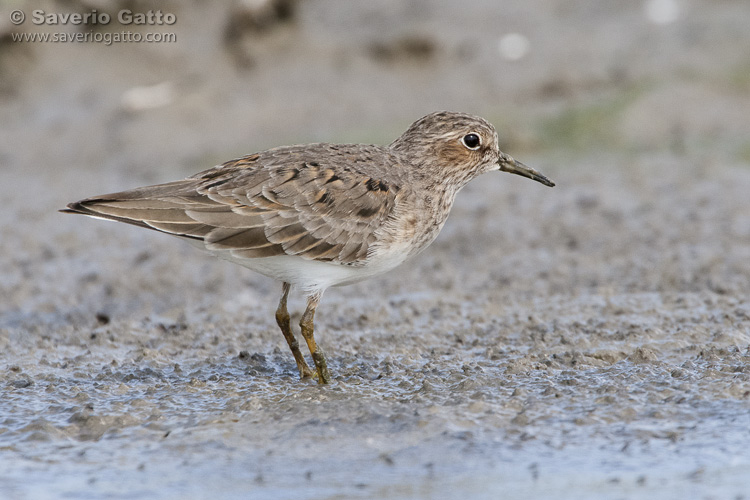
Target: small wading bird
<point x="321" y="215"/>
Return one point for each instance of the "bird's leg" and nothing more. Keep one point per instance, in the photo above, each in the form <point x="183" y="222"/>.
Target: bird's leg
<point x="282" y="318"/>
<point x="306" y="324"/>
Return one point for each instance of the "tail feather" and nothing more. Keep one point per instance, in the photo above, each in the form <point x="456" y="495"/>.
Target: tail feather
<point x="80" y="207"/>
<point x="160" y="207"/>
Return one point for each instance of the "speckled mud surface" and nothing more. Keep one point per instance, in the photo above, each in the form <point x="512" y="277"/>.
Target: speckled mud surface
<point x="586" y="341"/>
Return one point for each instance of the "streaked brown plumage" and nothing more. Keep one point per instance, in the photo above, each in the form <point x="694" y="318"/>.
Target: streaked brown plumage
<point x="321" y="215"/>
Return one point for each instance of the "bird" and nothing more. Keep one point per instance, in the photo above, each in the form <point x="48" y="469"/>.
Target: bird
<point x="319" y="215"/>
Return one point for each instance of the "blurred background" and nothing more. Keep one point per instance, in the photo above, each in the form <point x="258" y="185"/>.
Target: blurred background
<point x="612" y="310"/>
<point x="555" y="77"/>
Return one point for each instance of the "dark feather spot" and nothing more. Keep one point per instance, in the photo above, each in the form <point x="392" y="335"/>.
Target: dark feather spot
<point x="313" y="163"/>
<point x="376" y="185"/>
<point x="215" y="183"/>
<point x="325" y="198"/>
<point x="333" y="178"/>
<point x="367" y="212"/>
<point x="295" y="174"/>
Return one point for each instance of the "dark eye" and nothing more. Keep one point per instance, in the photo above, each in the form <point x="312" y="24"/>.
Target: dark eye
<point x="471" y="141"/>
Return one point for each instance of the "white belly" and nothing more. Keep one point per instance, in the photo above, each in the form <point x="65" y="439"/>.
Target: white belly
<point x="310" y="275"/>
<point x="315" y="276"/>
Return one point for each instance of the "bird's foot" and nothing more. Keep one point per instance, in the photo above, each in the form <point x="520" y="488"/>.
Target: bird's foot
<point x="323" y="376"/>
<point x="306" y="372"/>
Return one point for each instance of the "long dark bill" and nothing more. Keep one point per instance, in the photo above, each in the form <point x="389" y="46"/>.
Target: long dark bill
<point x="513" y="166"/>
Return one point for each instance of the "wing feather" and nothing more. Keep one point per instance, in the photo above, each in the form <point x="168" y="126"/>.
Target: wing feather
<point x="302" y="200"/>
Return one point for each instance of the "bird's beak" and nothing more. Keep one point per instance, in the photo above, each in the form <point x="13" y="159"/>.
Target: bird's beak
<point x="513" y="166"/>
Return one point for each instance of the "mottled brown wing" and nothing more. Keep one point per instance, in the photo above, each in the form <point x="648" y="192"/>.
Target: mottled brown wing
<point x="280" y="202"/>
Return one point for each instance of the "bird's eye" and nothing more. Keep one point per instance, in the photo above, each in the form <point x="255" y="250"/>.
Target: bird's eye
<point x="471" y="141"/>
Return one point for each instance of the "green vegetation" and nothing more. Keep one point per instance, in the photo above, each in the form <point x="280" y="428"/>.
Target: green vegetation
<point x="588" y="125"/>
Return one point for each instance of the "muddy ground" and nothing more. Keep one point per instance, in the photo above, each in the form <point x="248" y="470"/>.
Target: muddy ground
<point x="586" y="341"/>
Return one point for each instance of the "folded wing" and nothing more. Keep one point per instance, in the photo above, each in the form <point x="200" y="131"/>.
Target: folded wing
<point x="287" y="201"/>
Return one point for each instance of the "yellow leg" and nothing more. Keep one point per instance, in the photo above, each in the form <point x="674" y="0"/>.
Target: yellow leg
<point x="282" y="318"/>
<point x="306" y="324"/>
